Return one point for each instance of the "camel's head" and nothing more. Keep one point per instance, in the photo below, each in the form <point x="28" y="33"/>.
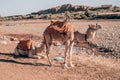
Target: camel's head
<point x="95" y="27"/>
<point x="52" y="21"/>
<point x="91" y="31"/>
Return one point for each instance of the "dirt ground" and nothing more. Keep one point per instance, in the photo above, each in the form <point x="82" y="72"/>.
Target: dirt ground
<point x="87" y="67"/>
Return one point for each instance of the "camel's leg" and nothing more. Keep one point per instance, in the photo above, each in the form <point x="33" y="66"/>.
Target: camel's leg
<point x="48" y="42"/>
<point x="70" y="53"/>
<point x="71" y="48"/>
<point x="47" y="53"/>
<point x="66" y="53"/>
<point x="16" y="53"/>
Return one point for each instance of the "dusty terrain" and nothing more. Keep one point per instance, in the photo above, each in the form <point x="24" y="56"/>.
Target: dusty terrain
<point x="87" y="67"/>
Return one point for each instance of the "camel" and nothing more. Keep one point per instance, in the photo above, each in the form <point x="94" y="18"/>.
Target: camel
<point x="83" y="39"/>
<point x="26" y="48"/>
<point x="62" y="32"/>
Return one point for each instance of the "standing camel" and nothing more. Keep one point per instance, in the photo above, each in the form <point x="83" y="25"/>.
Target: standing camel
<point x="62" y="32"/>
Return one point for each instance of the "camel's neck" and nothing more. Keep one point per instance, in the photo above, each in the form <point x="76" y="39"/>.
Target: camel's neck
<point x="80" y="37"/>
<point x="90" y="34"/>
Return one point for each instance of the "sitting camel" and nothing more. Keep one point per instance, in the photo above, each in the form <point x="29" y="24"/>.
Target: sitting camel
<point x="26" y="48"/>
<point x="83" y="40"/>
<point x="62" y="32"/>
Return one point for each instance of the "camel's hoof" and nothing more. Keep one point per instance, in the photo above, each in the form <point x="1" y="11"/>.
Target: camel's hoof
<point x="72" y="65"/>
<point x="65" y="66"/>
<point x="50" y="65"/>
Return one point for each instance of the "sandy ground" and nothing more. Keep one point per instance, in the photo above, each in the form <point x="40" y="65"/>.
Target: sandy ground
<point x="87" y="67"/>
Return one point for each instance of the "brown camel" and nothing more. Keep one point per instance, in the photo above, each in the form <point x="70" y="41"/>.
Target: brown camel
<point x="27" y="48"/>
<point x="62" y="32"/>
<point x="83" y="40"/>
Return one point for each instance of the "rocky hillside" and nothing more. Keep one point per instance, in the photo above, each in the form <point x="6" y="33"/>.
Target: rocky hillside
<point x="64" y="8"/>
<point x="73" y="11"/>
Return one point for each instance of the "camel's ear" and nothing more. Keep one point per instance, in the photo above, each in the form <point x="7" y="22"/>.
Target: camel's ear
<point x="99" y="25"/>
<point x="89" y="25"/>
<point x="52" y="21"/>
<point x="96" y="24"/>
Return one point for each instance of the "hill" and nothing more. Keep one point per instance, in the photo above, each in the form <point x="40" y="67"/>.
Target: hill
<point x="73" y="11"/>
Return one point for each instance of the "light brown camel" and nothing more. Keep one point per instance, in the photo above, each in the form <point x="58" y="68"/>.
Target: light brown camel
<point x="62" y="32"/>
<point x="83" y="40"/>
<point x="91" y="31"/>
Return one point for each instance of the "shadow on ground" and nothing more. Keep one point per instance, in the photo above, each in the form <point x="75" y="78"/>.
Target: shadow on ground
<point x="14" y="60"/>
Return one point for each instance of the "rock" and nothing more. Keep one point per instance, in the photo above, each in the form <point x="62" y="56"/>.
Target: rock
<point x="59" y="58"/>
